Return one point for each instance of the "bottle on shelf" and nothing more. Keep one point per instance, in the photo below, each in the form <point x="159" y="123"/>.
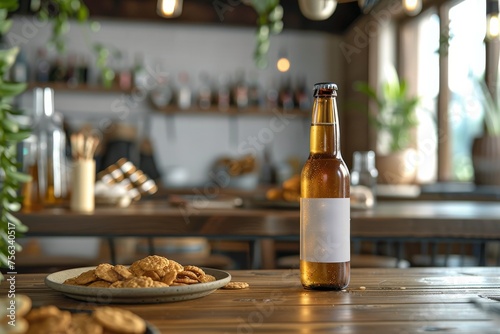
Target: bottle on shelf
<point x="184" y="93"/>
<point x="72" y="74"/>
<point x="57" y="72"/>
<point x="285" y="97"/>
<point x="162" y="93"/>
<point x="240" y="91"/>
<point x="48" y="161"/>
<point x="301" y="95"/>
<point x="222" y="96"/>
<point x="19" y="71"/>
<point x="42" y="66"/>
<point x="254" y="91"/>
<point x="272" y="95"/>
<point x="325" y="203"/>
<point x="363" y="172"/>
<point x="83" y="69"/>
<point x="205" y="91"/>
<point x="123" y="76"/>
<point x="140" y="74"/>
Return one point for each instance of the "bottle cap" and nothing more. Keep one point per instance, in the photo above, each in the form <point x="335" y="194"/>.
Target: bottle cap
<point x="325" y="85"/>
<point x="325" y="88"/>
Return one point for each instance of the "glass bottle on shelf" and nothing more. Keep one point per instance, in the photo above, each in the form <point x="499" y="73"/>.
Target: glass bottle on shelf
<point x="83" y="69"/>
<point x="254" y="91"/>
<point x="205" y="91"/>
<point x="363" y="171"/>
<point x="325" y="203"/>
<point x="222" y="98"/>
<point x="19" y="71"/>
<point x="57" y="72"/>
<point x="52" y="155"/>
<point x="184" y="93"/>
<point x="48" y="163"/>
<point x="240" y="91"/>
<point x="301" y="95"/>
<point x="72" y="74"/>
<point x="286" y="95"/>
<point x="123" y="74"/>
<point x="140" y="74"/>
<point x="42" y="66"/>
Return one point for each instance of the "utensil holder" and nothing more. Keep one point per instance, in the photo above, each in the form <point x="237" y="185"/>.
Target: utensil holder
<point x="83" y="184"/>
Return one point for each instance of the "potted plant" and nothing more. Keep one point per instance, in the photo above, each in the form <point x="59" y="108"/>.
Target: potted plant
<point x="394" y="119"/>
<point x="486" y="148"/>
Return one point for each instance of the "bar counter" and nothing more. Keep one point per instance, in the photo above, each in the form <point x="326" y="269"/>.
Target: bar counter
<point x="415" y="300"/>
<point x="392" y="219"/>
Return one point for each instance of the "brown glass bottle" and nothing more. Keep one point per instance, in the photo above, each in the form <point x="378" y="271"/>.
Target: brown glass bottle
<point x="324" y="203"/>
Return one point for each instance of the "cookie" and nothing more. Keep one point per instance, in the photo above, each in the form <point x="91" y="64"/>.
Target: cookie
<point x="207" y="278"/>
<point x="236" y="285"/>
<point x="86" y="277"/>
<point x="152" y="274"/>
<point x="169" y="277"/>
<point x="174" y="266"/>
<point x="99" y="284"/>
<point x="134" y="282"/>
<point x="119" y="320"/>
<point x="123" y="271"/>
<point x="153" y="262"/>
<point x="83" y="323"/>
<point x="197" y="270"/>
<point x="105" y="272"/>
<point x="42" y="312"/>
<point x="185" y="280"/>
<point x="58" y="323"/>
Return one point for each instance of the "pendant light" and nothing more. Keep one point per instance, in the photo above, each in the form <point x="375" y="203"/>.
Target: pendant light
<point x="169" y="8"/>
<point x="492" y="20"/>
<point x="317" y="10"/>
<point x="412" y="7"/>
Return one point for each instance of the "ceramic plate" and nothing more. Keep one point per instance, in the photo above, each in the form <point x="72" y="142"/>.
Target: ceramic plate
<point x="134" y="295"/>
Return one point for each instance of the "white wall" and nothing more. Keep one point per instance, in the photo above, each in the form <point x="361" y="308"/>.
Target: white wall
<point x="193" y="142"/>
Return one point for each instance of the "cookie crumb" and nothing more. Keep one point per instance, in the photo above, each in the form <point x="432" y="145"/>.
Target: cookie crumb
<point x="236" y="285"/>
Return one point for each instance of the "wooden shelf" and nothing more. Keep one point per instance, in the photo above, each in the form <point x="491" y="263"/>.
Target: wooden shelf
<point x="232" y="111"/>
<point x="80" y="88"/>
<point x="174" y="110"/>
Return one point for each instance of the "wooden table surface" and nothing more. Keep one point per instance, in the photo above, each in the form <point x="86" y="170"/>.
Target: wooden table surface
<point x="394" y="219"/>
<point x="415" y="300"/>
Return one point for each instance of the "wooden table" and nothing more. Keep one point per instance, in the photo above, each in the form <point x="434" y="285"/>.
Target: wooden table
<point x="377" y="301"/>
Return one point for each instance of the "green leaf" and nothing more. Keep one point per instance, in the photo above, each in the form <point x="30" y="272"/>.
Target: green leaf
<point x="9" y="125"/>
<point x="11" y="206"/>
<point x="7" y="58"/>
<point x="5" y="26"/>
<point x="18" y="176"/>
<point x="3" y="259"/>
<point x="18" y="136"/>
<point x="10" y="5"/>
<point x="20" y="227"/>
<point x="8" y="89"/>
<point x="83" y="14"/>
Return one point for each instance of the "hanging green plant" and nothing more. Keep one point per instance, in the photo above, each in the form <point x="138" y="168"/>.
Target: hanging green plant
<point x="60" y="13"/>
<point x="269" y="22"/>
<point x="11" y="134"/>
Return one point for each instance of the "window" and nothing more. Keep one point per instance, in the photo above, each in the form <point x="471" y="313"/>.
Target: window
<point x="464" y="49"/>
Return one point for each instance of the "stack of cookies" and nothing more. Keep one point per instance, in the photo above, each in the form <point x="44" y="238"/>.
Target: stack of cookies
<point x="153" y="271"/>
<point x="104" y="319"/>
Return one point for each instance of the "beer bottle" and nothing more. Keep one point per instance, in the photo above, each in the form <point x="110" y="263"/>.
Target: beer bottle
<point x="324" y="203"/>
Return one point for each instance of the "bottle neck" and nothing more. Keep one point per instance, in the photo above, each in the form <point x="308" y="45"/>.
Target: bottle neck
<point x="325" y="136"/>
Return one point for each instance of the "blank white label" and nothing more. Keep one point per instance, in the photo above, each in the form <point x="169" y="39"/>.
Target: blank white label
<point x="325" y="230"/>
